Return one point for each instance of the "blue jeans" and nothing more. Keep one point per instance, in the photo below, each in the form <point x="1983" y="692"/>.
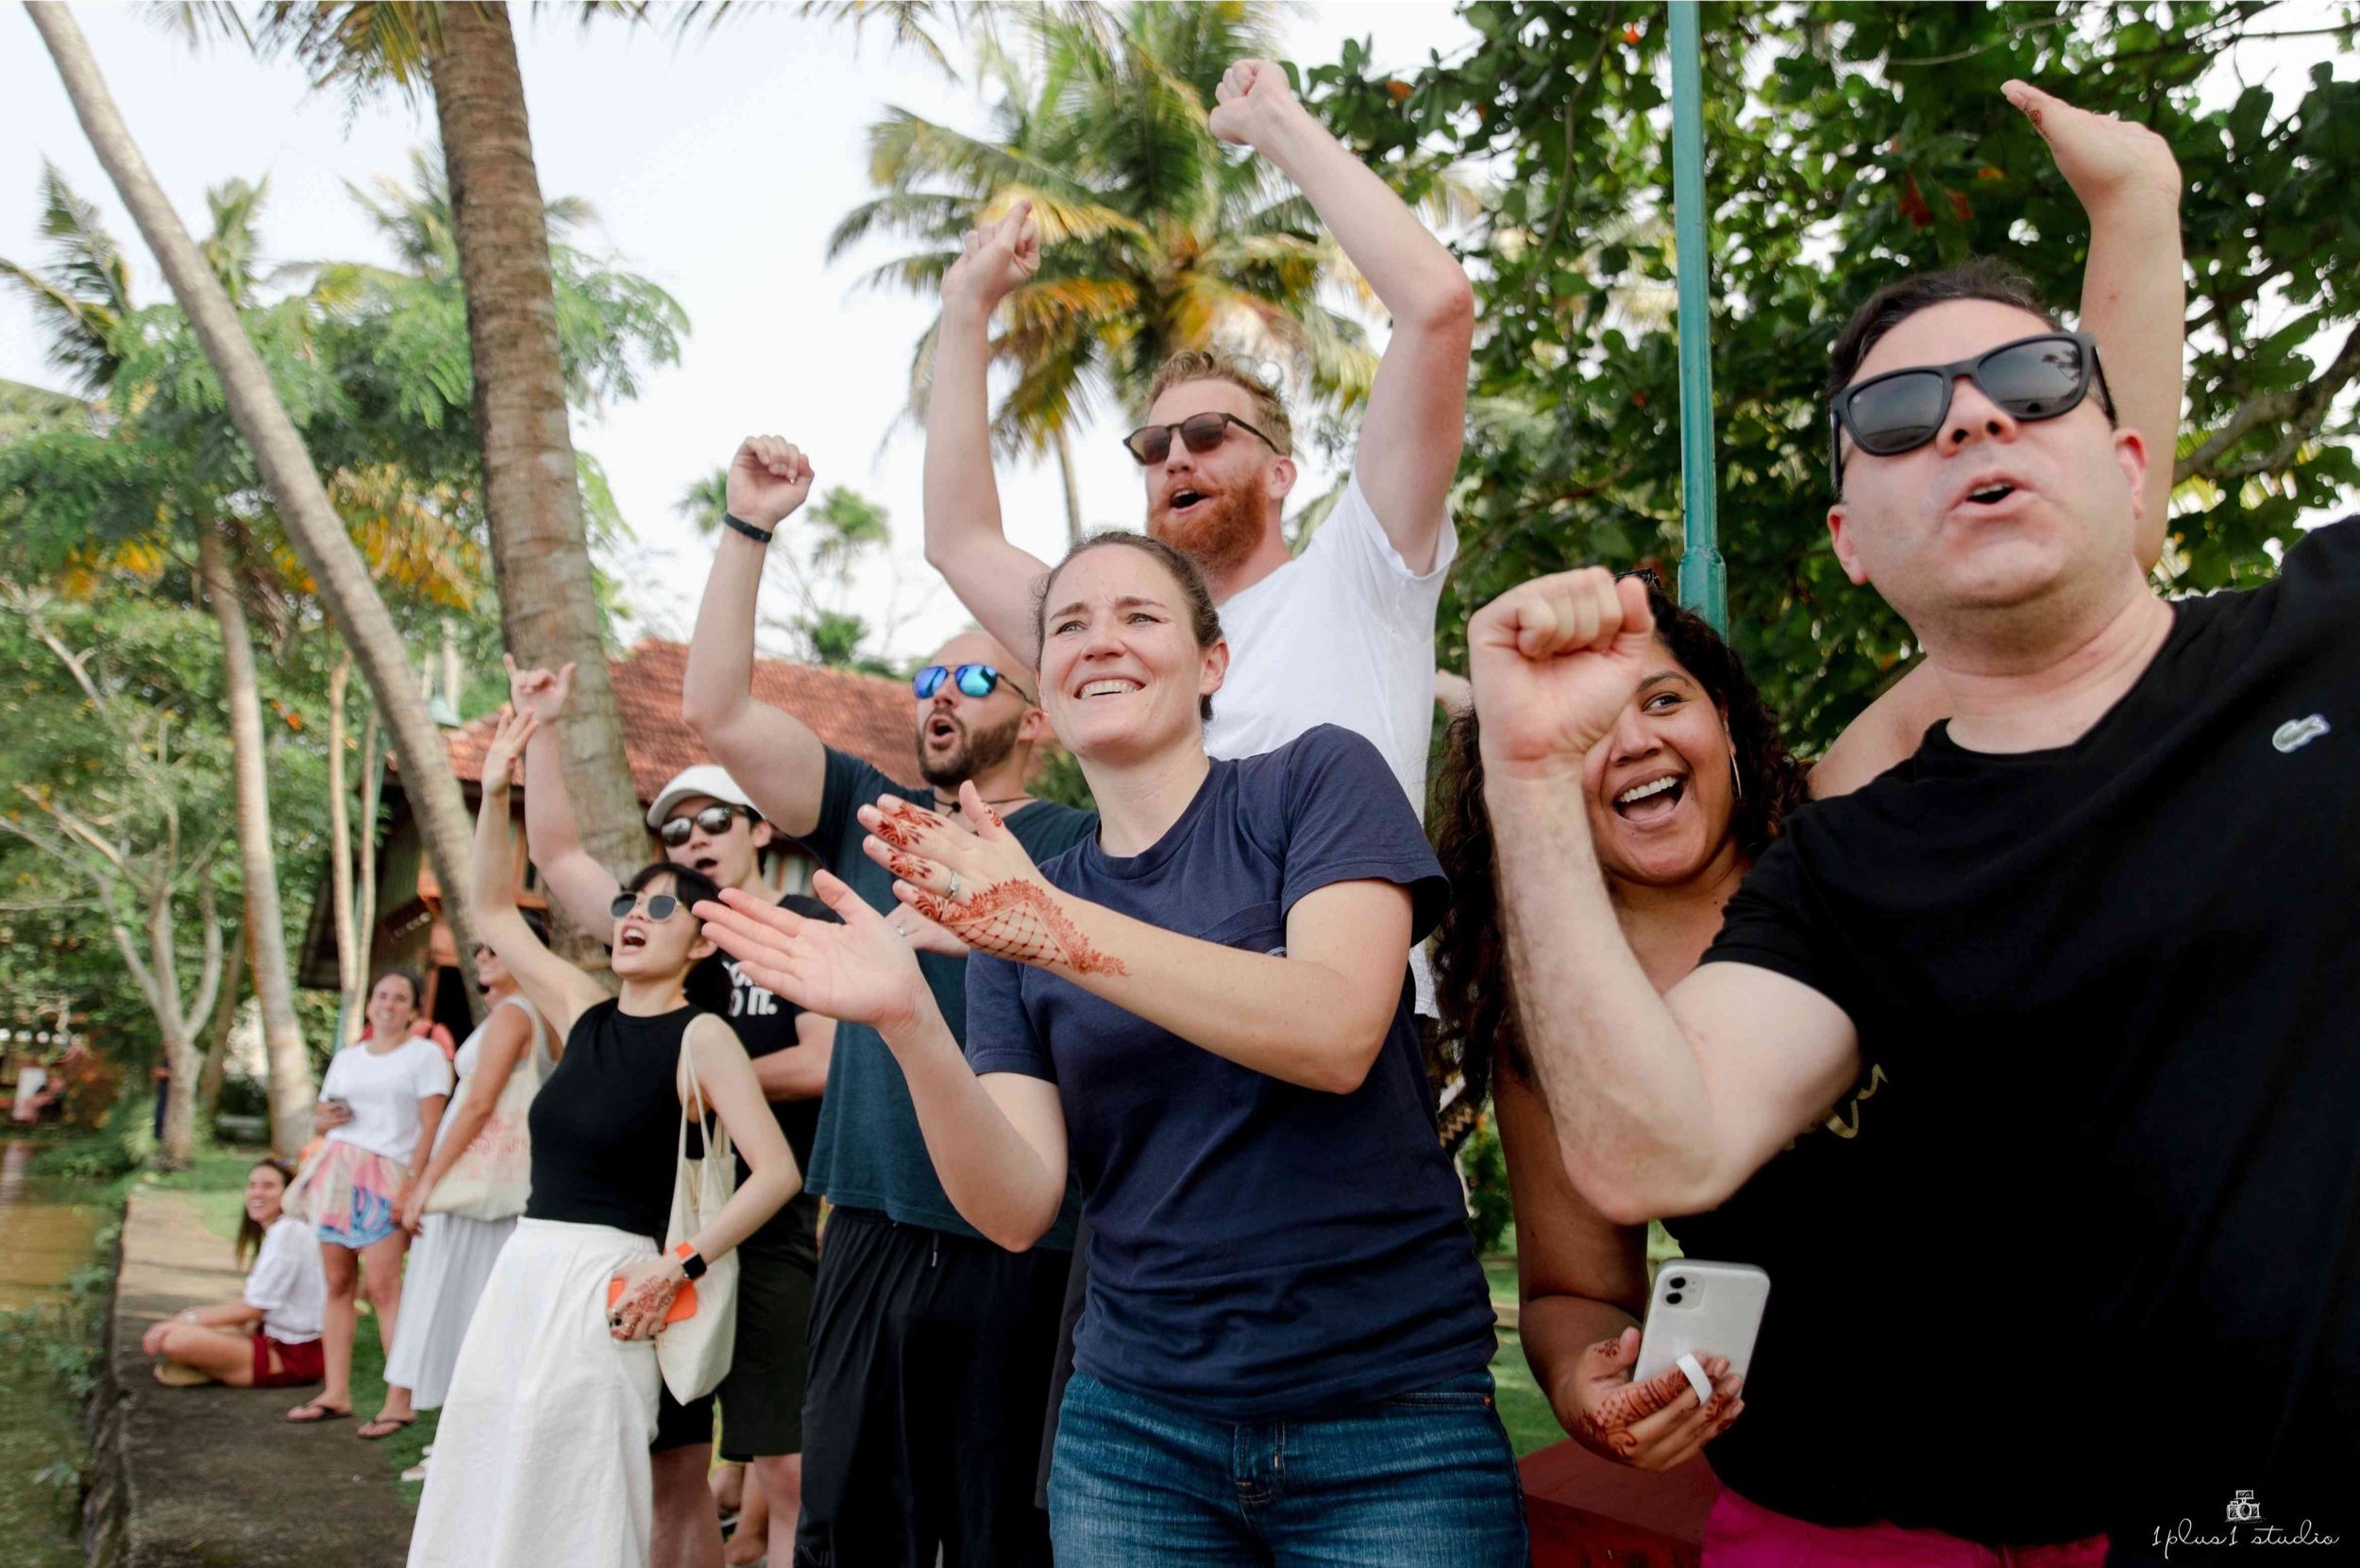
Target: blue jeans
<point x="1426" y="1479"/>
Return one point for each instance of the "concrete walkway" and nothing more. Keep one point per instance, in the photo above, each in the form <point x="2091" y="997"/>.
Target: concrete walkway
<point x="213" y="1477"/>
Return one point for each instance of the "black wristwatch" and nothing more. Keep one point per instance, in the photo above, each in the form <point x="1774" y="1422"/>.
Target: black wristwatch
<point x="693" y="1265"/>
<point x="760" y="536"/>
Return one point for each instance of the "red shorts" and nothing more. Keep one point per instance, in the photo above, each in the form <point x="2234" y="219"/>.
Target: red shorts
<point x="297" y="1364"/>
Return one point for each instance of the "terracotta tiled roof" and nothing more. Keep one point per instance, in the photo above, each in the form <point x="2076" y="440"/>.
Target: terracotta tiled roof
<point x="865" y="715"/>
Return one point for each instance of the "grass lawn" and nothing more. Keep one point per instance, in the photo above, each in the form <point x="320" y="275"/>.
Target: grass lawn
<point x="1524" y="1409"/>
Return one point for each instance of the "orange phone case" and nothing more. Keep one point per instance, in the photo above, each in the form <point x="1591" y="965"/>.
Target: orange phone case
<point x="684" y="1305"/>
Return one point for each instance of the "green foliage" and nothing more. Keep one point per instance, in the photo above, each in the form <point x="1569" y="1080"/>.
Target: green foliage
<point x="1847" y="146"/>
<point x="1484" y="1165"/>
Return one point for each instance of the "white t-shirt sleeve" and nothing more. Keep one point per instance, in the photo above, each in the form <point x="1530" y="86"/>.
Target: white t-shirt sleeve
<point x="429" y="1071"/>
<point x="1353" y="547"/>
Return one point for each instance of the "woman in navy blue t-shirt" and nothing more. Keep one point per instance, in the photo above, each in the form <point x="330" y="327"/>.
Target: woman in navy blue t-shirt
<point x="1204" y="1013"/>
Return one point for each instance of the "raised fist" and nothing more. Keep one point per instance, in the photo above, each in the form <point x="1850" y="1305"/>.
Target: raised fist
<point x="1252" y="95"/>
<point x="1554" y="662"/>
<point x="998" y="256"/>
<point x="768" y="479"/>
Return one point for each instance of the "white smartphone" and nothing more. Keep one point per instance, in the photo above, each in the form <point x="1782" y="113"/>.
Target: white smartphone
<point x="1702" y="1309"/>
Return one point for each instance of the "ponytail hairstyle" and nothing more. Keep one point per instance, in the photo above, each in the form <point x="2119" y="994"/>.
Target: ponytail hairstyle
<point x="1479" y="1027"/>
<point x="250" y="1230"/>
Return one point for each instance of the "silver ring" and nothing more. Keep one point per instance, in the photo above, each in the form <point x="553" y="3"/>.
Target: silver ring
<point x="954" y="892"/>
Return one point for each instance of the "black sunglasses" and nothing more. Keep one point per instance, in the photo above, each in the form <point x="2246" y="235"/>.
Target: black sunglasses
<point x="660" y="906"/>
<point x="1152" y="444"/>
<point x="972" y="680"/>
<point x="2034" y="378"/>
<point x="714" y="819"/>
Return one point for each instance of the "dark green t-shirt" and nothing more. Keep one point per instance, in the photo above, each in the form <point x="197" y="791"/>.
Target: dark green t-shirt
<point x="870" y="1152"/>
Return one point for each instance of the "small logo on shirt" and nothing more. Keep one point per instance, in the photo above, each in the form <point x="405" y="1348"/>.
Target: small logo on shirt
<point x="2296" y="734"/>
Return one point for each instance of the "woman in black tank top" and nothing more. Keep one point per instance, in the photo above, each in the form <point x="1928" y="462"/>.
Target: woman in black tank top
<point x="542" y="1455"/>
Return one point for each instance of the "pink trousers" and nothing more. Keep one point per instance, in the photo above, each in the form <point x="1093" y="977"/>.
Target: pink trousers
<point x="1738" y="1534"/>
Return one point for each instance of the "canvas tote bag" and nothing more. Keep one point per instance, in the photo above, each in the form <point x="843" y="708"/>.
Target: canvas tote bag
<point x="694" y="1353"/>
<point x="493" y="1176"/>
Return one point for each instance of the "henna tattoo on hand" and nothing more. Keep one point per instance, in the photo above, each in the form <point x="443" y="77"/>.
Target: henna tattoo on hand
<point x="1607" y="1429"/>
<point x="1018" y="920"/>
<point x="645" y="1302"/>
<point x="901" y="827"/>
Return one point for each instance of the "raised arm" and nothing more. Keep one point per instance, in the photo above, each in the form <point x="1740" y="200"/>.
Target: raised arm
<point x="965" y="539"/>
<point x="1417" y="414"/>
<point x="998" y="1142"/>
<point x="800" y="1073"/>
<point x="1582" y="1281"/>
<point x="772" y="754"/>
<point x="1315" y="1015"/>
<point x="557" y="990"/>
<point x="2134" y="302"/>
<point x="581" y="887"/>
<point x="1664" y="1105"/>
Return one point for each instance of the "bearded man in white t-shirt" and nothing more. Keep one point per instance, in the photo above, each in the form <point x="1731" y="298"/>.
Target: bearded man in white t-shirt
<point x="1342" y="634"/>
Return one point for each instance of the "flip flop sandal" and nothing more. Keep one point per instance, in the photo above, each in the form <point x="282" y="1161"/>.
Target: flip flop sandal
<point x="171" y="1375"/>
<point x="383" y="1427"/>
<point x="319" y="1412"/>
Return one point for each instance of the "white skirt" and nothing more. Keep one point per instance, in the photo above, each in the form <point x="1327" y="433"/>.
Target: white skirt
<point x="448" y="1268"/>
<point x="542" y="1455"/>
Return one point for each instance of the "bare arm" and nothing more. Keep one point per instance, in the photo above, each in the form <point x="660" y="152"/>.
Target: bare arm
<point x="730" y="1089"/>
<point x="772" y="754"/>
<point x="1417" y="414"/>
<point x="965" y="539"/>
<point x="1665" y="1103"/>
<point x="799" y="1073"/>
<point x="1316" y="1016"/>
<point x="504" y="1039"/>
<point x="581" y="886"/>
<point x="558" y="991"/>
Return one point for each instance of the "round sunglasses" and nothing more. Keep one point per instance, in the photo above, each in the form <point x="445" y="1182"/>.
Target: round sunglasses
<point x="660" y="906"/>
<point x="971" y="680"/>
<point x="2034" y="378"/>
<point x="1204" y="432"/>
<point x="715" y="821"/>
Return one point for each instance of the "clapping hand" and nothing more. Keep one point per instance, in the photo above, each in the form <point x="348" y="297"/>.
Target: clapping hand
<point x="980" y="887"/>
<point x="860" y="970"/>
<point x="995" y="258"/>
<point x="1554" y="661"/>
<point x="769" y="479"/>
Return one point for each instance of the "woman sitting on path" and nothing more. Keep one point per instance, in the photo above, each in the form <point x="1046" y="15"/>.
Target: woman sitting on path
<point x="1286" y="1336"/>
<point x="455" y="1252"/>
<point x="270" y="1336"/>
<point x="542" y="1454"/>
<point x="381" y="1098"/>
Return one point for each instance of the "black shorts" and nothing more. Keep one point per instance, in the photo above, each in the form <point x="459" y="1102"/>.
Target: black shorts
<point x="930" y="1362"/>
<point x="762" y="1398"/>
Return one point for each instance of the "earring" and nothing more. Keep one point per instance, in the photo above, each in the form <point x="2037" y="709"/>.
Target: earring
<point x="1737" y="780"/>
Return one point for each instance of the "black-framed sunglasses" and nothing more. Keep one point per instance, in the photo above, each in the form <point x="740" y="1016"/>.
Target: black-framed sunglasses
<point x="660" y="906"/>
<point x="2036" y="378"/>
<point x="971" y="680"/>
<point x="715" y="821"/>
<point x="1204" y="432"/>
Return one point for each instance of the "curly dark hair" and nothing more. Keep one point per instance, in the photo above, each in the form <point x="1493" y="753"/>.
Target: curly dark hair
<point x="1478" y="1024"/>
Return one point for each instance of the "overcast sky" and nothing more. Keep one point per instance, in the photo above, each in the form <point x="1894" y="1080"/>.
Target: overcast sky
<point x="716" y="166"/>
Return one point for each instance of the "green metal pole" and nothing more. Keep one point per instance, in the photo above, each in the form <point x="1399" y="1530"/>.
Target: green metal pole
<point x="1704" y="578"/>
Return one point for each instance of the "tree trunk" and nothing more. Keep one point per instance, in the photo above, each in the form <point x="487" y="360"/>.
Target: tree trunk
<point x="178" y="1022"/>
<point x="290" y="1087"/>
<point x="1064" y="445"/>
<point x="312" y="523"/>
<point x="364" y="901"/>
<point x="532" y="495"/>
<point x="339" y="834"/>
<point x="217" y="1046"/>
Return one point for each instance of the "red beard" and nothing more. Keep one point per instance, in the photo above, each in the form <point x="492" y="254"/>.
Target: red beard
<point x="1217" y="533"/>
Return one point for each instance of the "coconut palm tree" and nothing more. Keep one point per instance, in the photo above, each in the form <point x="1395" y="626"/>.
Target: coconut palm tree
<point x="86" y="300"/>
<point x="1155" y="237"/>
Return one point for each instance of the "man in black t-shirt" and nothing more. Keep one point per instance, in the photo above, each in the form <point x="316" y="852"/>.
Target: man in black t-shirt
<point x="2085" y="1260"/>
<point x="705" y="821"/>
